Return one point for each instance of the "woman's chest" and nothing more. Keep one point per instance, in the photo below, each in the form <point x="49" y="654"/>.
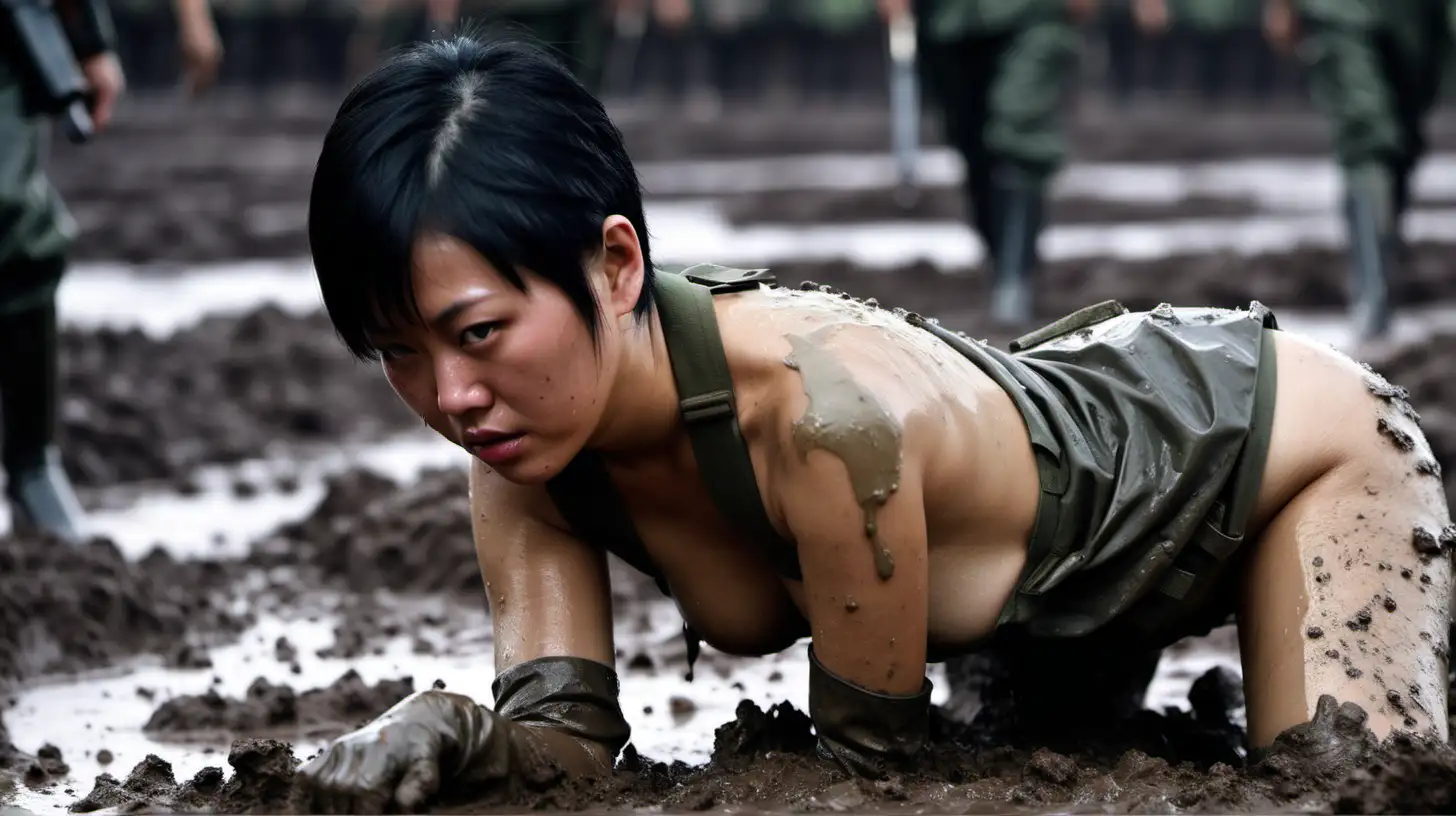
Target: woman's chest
<point x="725" y="585"/>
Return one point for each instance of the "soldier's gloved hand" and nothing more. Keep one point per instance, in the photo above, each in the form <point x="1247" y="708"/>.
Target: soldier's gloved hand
<point x="400" y="760"/>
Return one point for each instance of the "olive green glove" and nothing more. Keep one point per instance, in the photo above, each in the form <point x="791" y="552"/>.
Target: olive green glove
<point x="553" y="715"/>
<point x="866" y="732"/>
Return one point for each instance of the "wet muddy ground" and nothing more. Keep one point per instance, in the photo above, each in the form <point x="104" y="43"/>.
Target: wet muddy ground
<point x="223" y="178"/>
<point x="371" y="538"/>
<point x="243" y="613"/>
<point x="240" y="746"/>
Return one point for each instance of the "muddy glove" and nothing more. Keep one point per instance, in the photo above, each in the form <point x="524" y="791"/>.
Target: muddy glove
<point x="866" y="732"/>
<point x="554" y="716"/>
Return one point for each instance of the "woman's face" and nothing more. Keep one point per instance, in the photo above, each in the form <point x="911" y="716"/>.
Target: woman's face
<point x="510" y="375"/>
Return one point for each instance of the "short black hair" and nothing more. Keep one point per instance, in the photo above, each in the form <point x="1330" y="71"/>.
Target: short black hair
<point x="486" y="138"/>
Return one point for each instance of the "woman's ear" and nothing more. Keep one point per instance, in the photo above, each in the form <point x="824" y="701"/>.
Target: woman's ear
<point x="622" y="264"/>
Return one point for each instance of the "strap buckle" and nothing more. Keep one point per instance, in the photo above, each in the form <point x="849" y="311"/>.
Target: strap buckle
<point x="704" y="407"/>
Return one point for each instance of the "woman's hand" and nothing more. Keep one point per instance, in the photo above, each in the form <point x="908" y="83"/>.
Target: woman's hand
<point x="400" y="760"/>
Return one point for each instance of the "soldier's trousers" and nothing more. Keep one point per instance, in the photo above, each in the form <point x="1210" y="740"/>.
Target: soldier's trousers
<point x="1377" y="85"/>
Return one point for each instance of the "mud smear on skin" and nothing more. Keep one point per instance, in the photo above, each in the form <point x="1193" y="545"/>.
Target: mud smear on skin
<point x="230" y="388"/>
<point x="843" y="418"/>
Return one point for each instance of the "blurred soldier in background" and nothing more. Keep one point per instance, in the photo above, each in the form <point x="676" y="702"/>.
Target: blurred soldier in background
<point x="1375" y="68"/>
<point x="141" y="25"/>
<point x="580" y="31"/>
<point x="36" y="231"/>
<point x="1000" y="72"/>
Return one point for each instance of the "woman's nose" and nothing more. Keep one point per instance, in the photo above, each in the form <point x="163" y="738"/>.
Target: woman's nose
<point x="460" y="389"/>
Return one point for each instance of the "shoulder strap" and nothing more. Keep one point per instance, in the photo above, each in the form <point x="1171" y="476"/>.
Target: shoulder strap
<point x="705" y="393"/>
<point x="590" y="503"/>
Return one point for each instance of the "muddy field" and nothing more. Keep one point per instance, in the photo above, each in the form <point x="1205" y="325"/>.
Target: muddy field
<point x="370" y="534"/>
<point x="100" y="609"/>
<point x="224" y="178"/>
<point x="194" y="676"/>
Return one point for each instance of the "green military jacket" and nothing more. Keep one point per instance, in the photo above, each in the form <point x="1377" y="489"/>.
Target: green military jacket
<point x="34" y="223"/>
<point x="950" y="19"/>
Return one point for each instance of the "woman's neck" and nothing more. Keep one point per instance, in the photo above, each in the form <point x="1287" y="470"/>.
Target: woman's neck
<point x="642" y="416"/>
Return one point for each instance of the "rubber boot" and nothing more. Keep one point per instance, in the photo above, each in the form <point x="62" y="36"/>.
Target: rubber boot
<point x="1374" y="250"/>
<point x="40" y="494"/>
<point x="1020" y="208"/>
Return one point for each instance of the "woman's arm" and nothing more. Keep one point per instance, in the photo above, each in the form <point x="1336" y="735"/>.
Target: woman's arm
<point x="549" y="592"/>
<point x="556" y="711"/>
<point x="551" y="608"/>
<point x="850" y="489"/>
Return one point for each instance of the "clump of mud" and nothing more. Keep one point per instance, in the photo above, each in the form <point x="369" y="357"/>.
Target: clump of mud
<point x="1425" y="372"/>
<point x="65" y="607"/>
<point x="344" y="705"/>
<point x="370" y="533"/>
<point x="767" y="759"/>
<point x="37" y="771"/>
<point x="262" y="782"/>
<point x="230" y="388"/>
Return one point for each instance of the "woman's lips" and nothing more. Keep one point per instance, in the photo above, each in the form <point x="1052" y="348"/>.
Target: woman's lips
<point x="498" y="450"/>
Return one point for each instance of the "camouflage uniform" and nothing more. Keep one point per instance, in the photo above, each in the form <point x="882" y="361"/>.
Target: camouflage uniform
<point x="1000" y="72"/>
<point x="1375" y="69"/>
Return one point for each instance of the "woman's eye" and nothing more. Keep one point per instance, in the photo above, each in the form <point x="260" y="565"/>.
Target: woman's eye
<point x="477" y="333"/>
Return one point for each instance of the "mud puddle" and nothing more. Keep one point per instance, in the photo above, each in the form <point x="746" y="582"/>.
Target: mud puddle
<point x="128" y="716"/>
<point x="226" y="508"/>
<point x="696" y="232"/>
<point x="299" y="630"/>
<point x="222" y="390"/>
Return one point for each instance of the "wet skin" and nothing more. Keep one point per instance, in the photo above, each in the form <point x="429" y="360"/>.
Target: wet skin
<point x="826" y="390"/>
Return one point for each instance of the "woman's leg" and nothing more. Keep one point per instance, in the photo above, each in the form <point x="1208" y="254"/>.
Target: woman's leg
<point x="1348" y="588"/>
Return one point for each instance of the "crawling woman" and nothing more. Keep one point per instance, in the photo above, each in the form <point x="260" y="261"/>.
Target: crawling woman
<point x="795" y="464"/>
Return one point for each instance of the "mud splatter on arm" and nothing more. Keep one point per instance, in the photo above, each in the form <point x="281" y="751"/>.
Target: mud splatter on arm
<point x="851" y="496"/>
